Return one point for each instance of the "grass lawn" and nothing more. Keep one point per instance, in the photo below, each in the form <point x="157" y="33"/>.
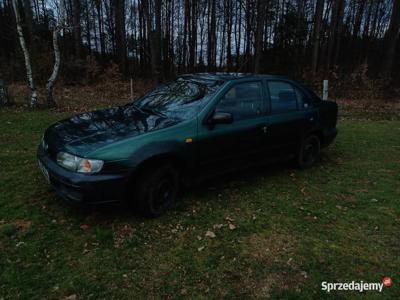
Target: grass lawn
<point x="279" y="232"/>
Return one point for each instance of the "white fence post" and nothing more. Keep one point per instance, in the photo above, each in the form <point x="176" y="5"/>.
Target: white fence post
<point x="325" y="90"/>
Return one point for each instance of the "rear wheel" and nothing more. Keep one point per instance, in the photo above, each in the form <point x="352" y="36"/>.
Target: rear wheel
<point x="157" y="190"/>
<point x="309" y="152"/>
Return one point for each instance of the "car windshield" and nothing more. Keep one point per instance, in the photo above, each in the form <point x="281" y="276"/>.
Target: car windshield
<point x="178" y="99"/>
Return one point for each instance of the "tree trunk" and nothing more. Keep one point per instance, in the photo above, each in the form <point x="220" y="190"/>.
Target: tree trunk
<point x="358" y="18"/>
<point x="88" y="39"/>
<point x="185" y="32"/>
<point x="248" y="32"/>
<point x="76" y="22"/>
<point x="339" y="33"/>
<point x="300" y="36"/>
<point x="391" y="38"/>
<point x="25" y="51"/>
<point x="120" y="38"/>
<point x="157" y="42"/>
<point x="57" y="58"/>
<point x="229" y="34"/>
<point x="154" y="36"/>
<point x="333" y="31"/>
<point x="28" y="21"/>
<point x="100" y="25"/>
<point x="259" y="34"/>
<point x="5" y="100"/>
<point x="211" y="47"/>
<point x="193" y="36"/>
<point x="238" y="31"/>
<point x="317" y="28"/>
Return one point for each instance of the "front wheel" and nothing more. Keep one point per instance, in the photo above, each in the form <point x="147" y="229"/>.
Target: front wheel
<point x="157" y="190"/>
<point x="309" y="152"/>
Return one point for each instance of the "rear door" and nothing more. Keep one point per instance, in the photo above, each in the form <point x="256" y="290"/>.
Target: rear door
<point x="228" y="146"/>
<point x="291" y="116"/>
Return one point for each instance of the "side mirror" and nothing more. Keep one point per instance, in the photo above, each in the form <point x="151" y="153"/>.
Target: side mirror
<point x="220" y="118"/>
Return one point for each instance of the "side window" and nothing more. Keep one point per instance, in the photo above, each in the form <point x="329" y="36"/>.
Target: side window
<point x="243" y="101"/>
<point x="283" y="97"/>
<point x="302" y="99"/>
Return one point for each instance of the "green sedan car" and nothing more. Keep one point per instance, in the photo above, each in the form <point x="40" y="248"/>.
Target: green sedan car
<point x="182" y="131"/>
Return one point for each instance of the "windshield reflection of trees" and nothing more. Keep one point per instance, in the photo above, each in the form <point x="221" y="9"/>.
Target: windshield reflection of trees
<point x="107" y="125"/>
<point x="180" y="98"/>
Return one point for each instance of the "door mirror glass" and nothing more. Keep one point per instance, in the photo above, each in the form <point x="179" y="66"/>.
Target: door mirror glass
<point x="220" y="118"/>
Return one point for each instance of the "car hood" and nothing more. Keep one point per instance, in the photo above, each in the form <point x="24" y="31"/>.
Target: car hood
<point x="89" y="131"/>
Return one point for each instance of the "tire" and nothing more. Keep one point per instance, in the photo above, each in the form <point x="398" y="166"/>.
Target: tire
<point x="156" y="190"/>
<point x="309" y="152"/>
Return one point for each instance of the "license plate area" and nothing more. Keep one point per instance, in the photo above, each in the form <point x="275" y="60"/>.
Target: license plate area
<point x="44" y="171"/>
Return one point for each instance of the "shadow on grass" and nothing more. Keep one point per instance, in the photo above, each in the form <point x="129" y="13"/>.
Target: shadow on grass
<point x="203" y="192"/>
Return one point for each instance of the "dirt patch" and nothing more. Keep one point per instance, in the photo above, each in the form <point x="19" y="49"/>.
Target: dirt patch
<point x="22" y="224"/>
<point x="12" y="228"/>
<point x="17" y="224"/>
<point x="280" y="281"/>
<point x="276" y="254"/>
<point x="272" y="248"/>
<point x="122" y="233"/>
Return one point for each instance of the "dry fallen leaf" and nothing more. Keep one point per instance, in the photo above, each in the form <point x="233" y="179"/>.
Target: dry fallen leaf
<point x="232" y="227"/>
<point x="304" y="274"/>
<point x="200" y="248"/>
<point x="210" y="234"/>
<point x="218" y="226"/>
<point x="289" y="261"/>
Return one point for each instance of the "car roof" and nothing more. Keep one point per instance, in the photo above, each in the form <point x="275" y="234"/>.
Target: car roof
<point x="229" y="76"/>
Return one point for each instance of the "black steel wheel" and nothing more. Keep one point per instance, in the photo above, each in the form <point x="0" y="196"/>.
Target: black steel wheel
<point x="157" y="190"/>
<point x="309" y="152"/>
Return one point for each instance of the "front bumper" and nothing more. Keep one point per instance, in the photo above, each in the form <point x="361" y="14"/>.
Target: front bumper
<point x="77" y="188"/>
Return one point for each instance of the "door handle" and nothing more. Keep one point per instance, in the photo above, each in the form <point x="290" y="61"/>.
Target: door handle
<point x="264" y="129"/>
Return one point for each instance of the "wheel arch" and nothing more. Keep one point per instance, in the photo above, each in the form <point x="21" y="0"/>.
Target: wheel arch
<point x="158" y="159"/>
<point x="318" y="133"/>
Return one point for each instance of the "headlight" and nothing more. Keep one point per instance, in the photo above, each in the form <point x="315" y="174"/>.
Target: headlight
<point x="78" y="164"/>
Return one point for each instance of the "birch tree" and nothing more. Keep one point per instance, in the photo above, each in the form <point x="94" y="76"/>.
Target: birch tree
<point x="57" y="57"/>
<point x="28" y="66"/>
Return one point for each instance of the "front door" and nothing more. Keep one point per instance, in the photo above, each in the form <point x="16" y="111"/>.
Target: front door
<point x="228" y="146"/>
